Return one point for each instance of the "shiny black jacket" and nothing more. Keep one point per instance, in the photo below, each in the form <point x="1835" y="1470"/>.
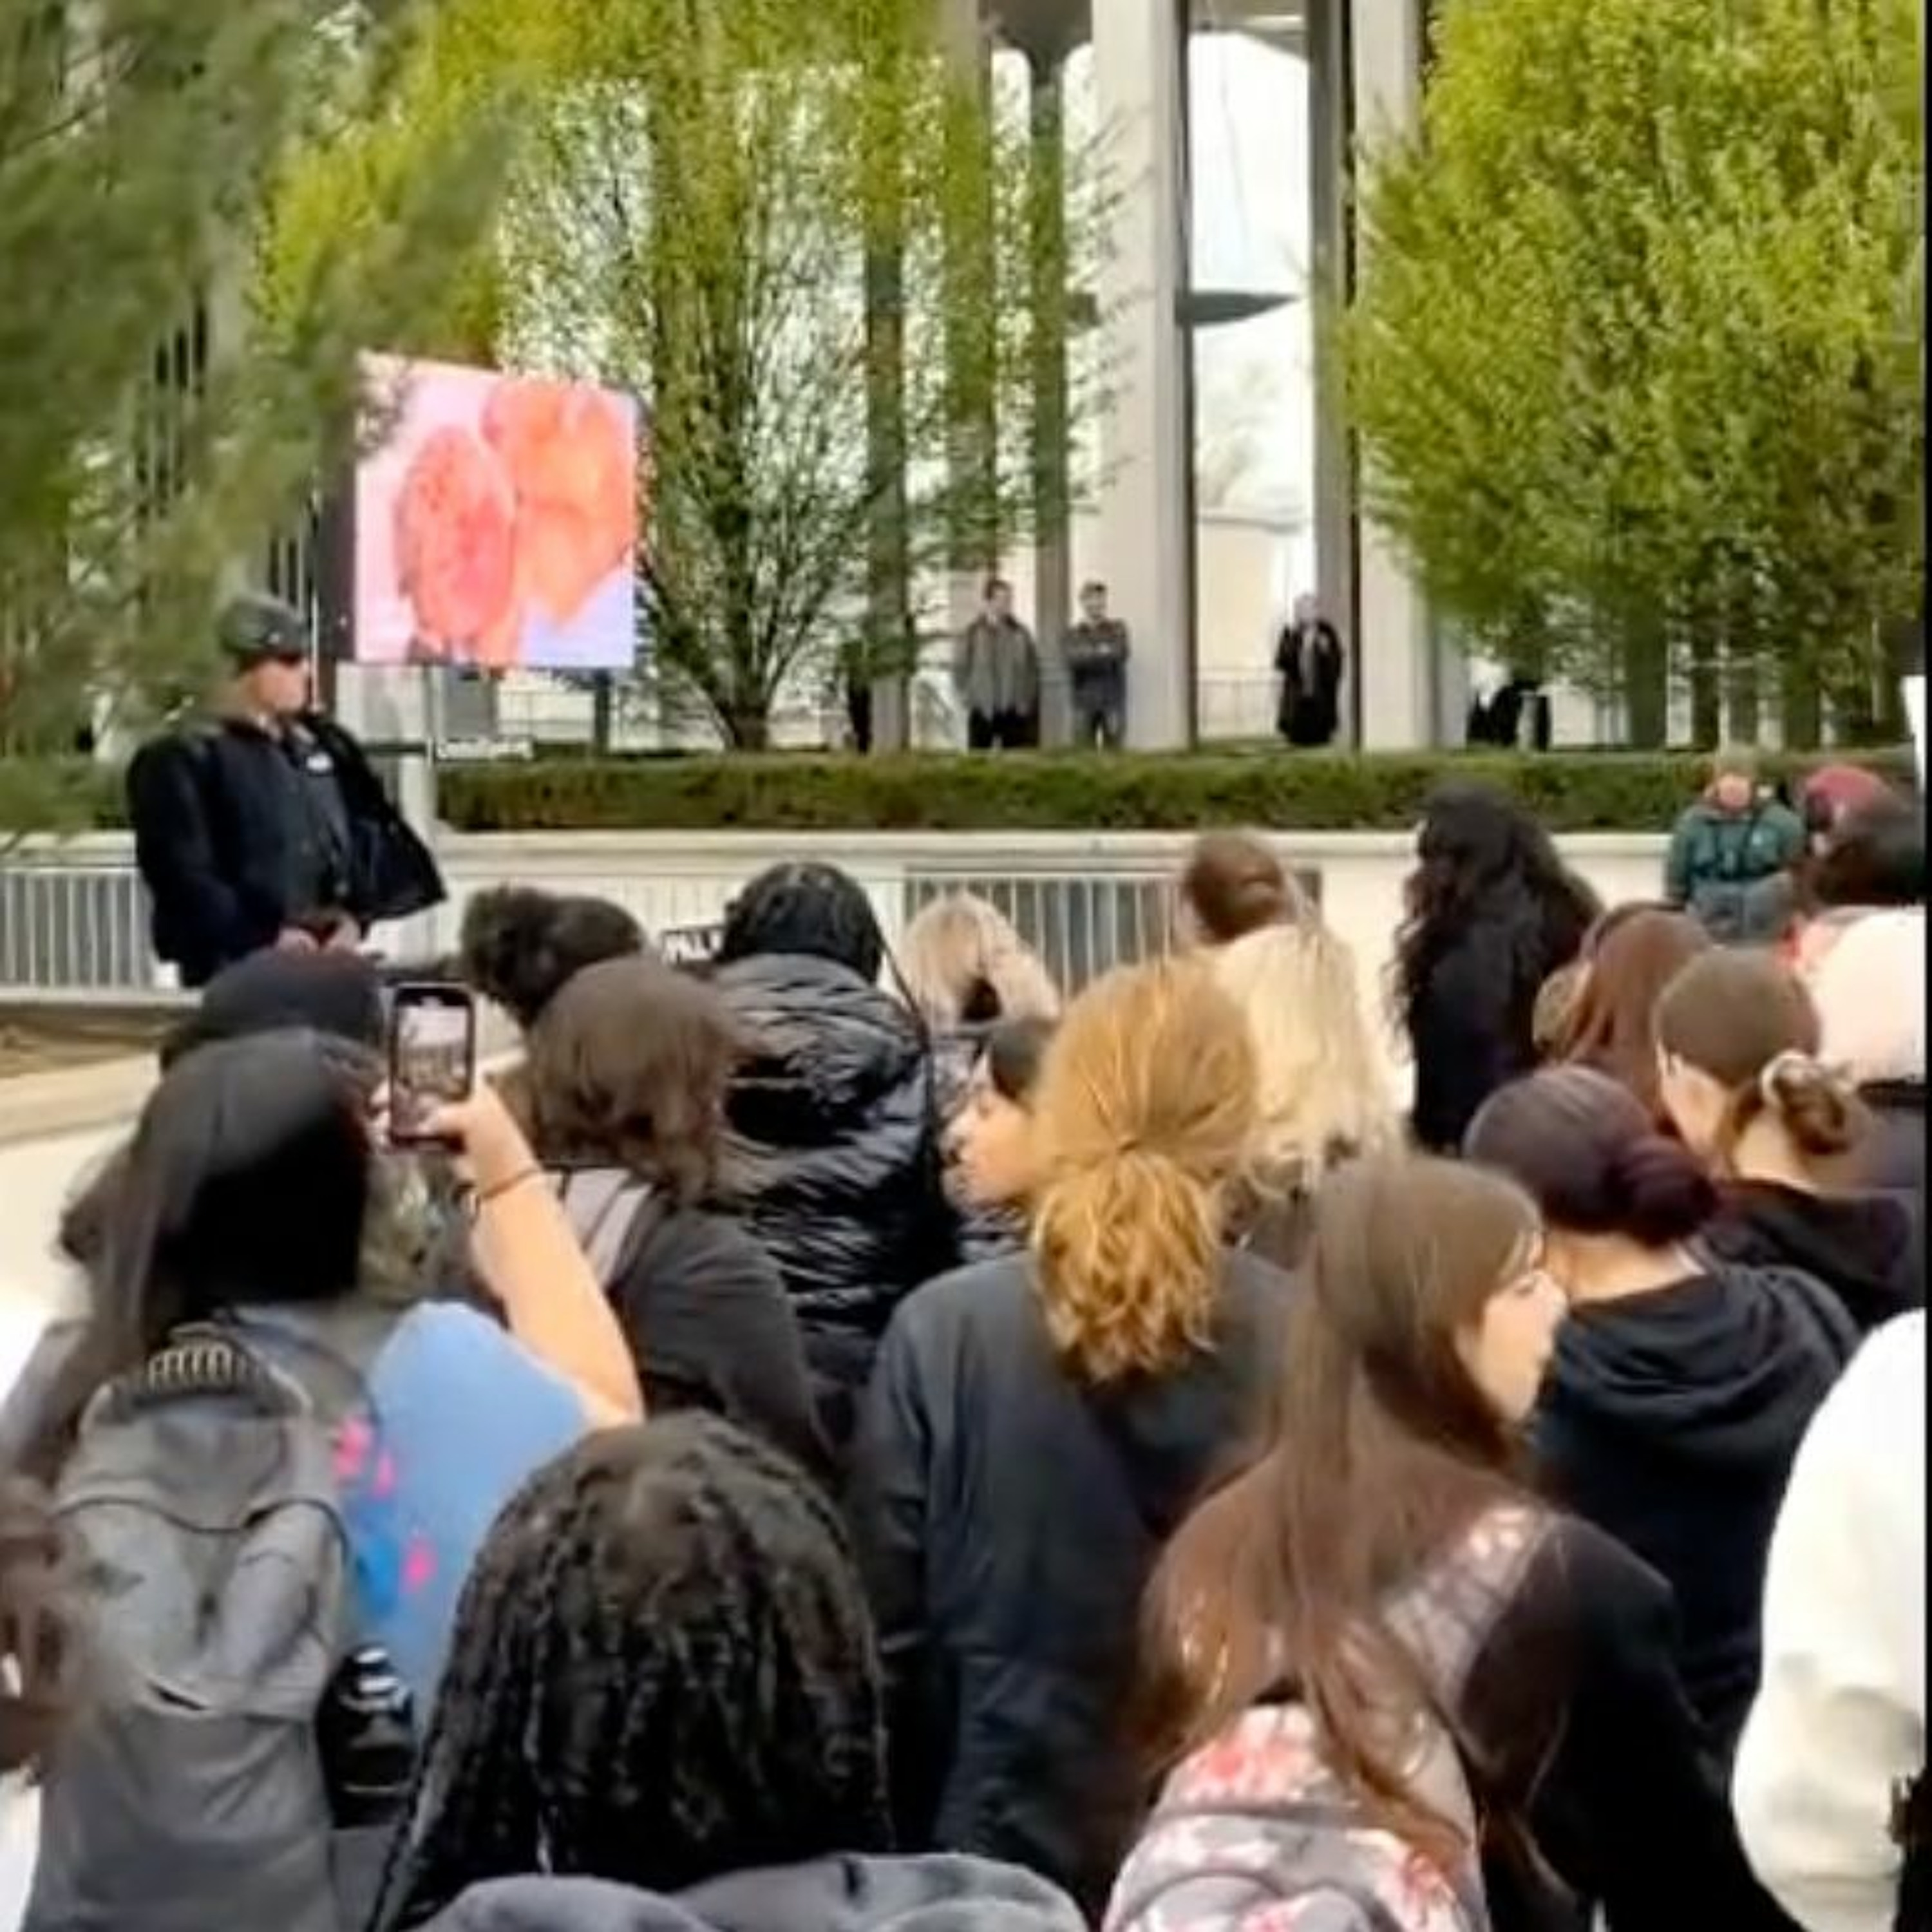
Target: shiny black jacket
<point x="832" y="1153"/>
<point x="206" y="805"/>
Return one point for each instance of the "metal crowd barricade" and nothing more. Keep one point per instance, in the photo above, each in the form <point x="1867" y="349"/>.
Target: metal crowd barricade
<point x="74" y="917"/>
<point x="74" y="924"/>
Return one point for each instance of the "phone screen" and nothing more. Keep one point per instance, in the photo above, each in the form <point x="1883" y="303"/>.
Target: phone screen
<point x="432" y="1055"/>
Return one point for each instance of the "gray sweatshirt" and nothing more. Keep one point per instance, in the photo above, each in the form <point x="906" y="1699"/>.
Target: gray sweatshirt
<point x="940" y="1893"/>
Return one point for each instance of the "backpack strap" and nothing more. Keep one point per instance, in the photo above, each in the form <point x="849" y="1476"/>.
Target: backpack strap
<point x="609" y="1209"/>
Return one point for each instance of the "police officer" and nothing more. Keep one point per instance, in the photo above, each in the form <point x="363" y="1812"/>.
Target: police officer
<point x="261" y="822"/>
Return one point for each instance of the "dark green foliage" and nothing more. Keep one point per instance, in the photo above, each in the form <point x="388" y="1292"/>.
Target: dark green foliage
<point x="1579" y="792"/>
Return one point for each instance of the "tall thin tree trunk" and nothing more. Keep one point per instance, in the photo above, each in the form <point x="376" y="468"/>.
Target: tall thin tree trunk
<point x="1801" y="702"/>
<point x="1707" y="692"/>
<point x="1646" y="681"/>
<point x="970" y="272"/>
<point x="887" y="664"/>
<point x="888" y="652"/>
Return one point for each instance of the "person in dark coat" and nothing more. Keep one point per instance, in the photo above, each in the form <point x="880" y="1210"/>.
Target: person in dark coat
<point x="661" y="1714"/>
<point x="264" y="824"/>
<point x="1096" y="650"/>
<point x="625" y="1078"/>
<point x="1493" y="912"/>
<point x="1308" y="661"/>
<point x="1379" y="1562"/>
<point x="1680" y="1391"/>
<point x="1782" y="1132"/>
<point x="832" y="1154"/>
<point x="1037" y="1427"/>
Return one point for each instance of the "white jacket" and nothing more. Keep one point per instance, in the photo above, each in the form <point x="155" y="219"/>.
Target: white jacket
<point x="1840" y="1720"/>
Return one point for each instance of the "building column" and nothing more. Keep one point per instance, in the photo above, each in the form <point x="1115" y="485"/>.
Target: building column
<point x="1329" y="279"/>
<point x="1394" y="649"/>
<point x="1143" y="535"/>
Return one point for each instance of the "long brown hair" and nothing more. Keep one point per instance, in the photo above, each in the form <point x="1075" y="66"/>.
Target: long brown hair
<point x="1145" y="1110"/>
<point x="1383" y="1453"/>
<point x="1612" y="1025"/>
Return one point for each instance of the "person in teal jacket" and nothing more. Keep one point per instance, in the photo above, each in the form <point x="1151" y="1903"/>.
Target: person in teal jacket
<point x="1731" y="858"/>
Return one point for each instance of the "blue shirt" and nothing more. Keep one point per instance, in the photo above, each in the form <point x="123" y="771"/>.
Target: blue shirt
<point x="459" y="1413"/>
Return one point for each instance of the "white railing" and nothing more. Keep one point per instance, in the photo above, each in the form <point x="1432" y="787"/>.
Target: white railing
<point x="73" y="916"/>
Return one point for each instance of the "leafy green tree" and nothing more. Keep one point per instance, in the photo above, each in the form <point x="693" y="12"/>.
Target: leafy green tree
<point x="1637" y="356"/>
<point x="150" y="437"/>
<point x="753" y="217"/>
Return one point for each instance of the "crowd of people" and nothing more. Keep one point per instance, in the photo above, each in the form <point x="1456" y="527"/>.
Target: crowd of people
<point x="848" y="1436"/>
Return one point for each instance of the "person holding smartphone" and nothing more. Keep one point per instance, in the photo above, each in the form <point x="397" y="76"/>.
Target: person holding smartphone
<point x="261" y="822"/>
<point x="241" y="1201"/>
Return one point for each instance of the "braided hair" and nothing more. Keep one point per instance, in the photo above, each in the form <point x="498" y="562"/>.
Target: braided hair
<point x="663" y="1670"/>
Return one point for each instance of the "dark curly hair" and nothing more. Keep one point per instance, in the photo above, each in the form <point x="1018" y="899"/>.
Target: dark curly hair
<point x="813" y="910"/>
<point x="519" y="945"/>
<point x="629" y="1064"/>
<point x="663" y="1670"/>
<point x="1488" y="872"/>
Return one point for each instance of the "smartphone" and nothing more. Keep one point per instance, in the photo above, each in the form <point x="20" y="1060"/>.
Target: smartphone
<point x="432" y="1056"/>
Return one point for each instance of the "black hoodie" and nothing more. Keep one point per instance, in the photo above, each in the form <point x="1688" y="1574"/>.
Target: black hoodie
<point x="1008" y="1517"/>
<point x="1669" y="1419"/>
<point x="1864" y="1247"/>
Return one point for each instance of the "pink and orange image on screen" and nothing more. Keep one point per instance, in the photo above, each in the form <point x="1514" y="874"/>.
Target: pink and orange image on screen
<point x="496" y="525"/>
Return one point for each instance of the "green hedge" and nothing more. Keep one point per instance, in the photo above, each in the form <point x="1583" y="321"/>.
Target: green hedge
<point x="1569" y="791"/>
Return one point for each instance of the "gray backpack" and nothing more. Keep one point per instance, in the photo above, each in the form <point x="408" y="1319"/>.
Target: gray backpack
<point x="200" y="1502"/>
<point x="1254" y="1833"/>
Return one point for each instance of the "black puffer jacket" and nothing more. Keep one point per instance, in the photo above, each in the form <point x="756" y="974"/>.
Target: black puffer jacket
<point x="832" y="1152"/>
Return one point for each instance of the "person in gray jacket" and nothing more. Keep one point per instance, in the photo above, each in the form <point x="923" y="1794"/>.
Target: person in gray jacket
<point x="664" y="1712"/>
<point x="996" y="673"/>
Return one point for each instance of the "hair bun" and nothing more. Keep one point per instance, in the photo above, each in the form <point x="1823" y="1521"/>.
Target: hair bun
<point x="1817" y="1104"/>
<point x="1668" y="1196"/>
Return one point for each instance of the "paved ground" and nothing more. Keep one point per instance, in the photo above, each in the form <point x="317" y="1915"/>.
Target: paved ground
<point x="36" y="1177"/>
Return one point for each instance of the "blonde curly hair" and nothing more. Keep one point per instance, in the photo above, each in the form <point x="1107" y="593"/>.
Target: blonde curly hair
<point x="961" y="952"/>
<point x="1145" y="1111"/>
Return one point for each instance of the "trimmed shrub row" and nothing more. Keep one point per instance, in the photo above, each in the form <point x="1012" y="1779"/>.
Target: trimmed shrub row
<point x="1570" y="791"/>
